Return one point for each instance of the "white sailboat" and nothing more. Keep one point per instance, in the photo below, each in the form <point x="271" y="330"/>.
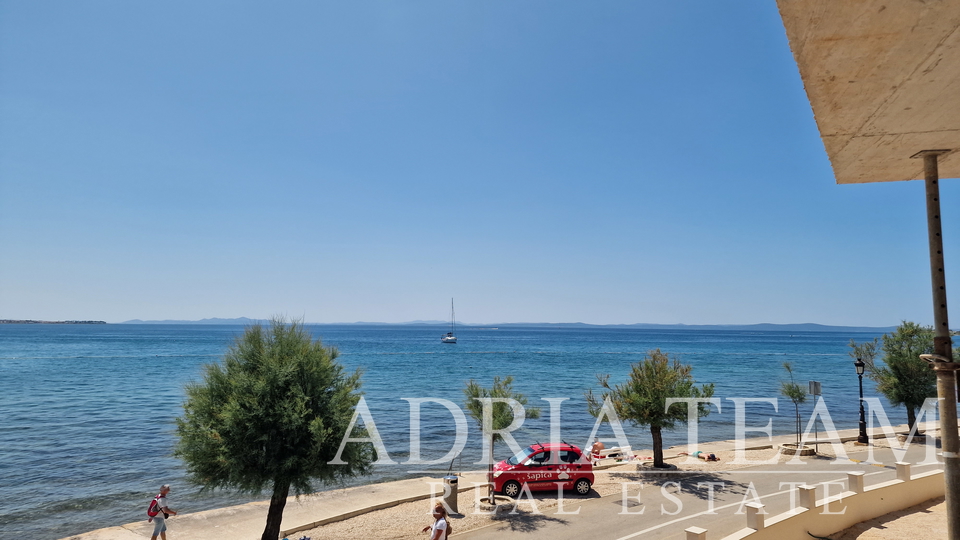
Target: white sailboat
<point x="450" y="337"/>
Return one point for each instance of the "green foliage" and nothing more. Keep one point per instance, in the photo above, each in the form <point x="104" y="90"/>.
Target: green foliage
<point x="868" y="352"/>
<point x="956" y="350"/>
<point x="795" y="393"/>
<point x="271" y="414"/>
<point x="502" y="413"/>
<point x="790" y="389"/>
<point x="903" y="378"/>
<point x="642" y="398"/>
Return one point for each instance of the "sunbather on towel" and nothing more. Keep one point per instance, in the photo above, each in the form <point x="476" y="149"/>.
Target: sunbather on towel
<point x="596" y="448"/>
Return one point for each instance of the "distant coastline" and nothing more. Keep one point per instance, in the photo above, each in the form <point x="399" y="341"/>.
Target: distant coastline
<point x="28" y="321"/>
<point x="759" y="327"/>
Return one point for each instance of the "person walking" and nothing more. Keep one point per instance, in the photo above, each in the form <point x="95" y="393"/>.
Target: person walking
<point x="160" y="520"/>
<point x="440" y="528"/>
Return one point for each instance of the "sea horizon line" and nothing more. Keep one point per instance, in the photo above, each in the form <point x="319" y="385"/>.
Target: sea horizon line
<point x="764" y="326"/>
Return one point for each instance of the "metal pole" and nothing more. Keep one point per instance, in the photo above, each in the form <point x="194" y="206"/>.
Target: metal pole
<point x="862" y="437"/>
<point x="944" y="367"/>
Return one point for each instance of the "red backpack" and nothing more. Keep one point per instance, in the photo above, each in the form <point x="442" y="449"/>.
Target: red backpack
<point x="154" y="508"/>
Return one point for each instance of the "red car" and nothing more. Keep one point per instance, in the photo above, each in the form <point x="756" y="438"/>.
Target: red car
<point x="544" y="467"/>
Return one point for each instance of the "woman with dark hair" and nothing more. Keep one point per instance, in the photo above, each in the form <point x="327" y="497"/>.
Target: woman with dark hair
<point x="440" y="528"/>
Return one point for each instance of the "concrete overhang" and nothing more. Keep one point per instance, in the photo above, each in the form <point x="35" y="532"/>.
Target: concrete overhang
<point x="883" y="78"/>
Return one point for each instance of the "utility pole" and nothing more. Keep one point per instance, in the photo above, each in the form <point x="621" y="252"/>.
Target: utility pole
<point x="942" y="359"/>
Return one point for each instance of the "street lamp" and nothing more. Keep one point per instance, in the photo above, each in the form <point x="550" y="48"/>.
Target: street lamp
<point x="862" y="437"/>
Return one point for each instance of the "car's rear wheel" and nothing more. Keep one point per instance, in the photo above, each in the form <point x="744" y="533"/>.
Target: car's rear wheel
<point x="512" y="488"/>
<point x="582" y="486"/>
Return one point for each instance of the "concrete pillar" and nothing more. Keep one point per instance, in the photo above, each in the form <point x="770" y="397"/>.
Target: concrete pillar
<point x="754" y="516"/>
<point x="696" y="533"/>
<point x="808" y="496"/>
<point x="855" y="481"/>
<point x="903" y="471"/>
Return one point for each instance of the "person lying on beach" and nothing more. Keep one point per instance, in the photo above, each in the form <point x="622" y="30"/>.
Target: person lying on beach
<point x="702" y="455"/>
<point x="595" y="449"/>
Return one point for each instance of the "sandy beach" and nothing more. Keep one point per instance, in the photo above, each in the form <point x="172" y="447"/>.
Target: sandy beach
<point x="399" y="510"/>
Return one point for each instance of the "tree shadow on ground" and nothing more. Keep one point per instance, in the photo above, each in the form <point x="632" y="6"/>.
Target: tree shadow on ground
<point x="567" y="496"/>
<point x="527" y="518"/>
<point x="525" y="522"/>
<point x="688" y="481"/>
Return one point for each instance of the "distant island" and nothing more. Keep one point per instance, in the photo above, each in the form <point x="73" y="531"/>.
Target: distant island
<point x="28" y="321"/>
<point x="215" y="320"/>
<point x="760" y="327"/>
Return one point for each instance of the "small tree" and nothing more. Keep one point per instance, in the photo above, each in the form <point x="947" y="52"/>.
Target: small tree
<point x="903" y="377"/>
<point x="795" y="393"/>
<point x="642" y="398"/>
<point x="501" y="412"/>
<point x="271" y="414"/>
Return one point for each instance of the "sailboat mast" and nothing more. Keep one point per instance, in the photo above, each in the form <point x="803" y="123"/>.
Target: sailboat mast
<point x="453" y="318"/>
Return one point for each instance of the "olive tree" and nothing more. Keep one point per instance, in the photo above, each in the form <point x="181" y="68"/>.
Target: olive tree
<point x="271" y="415"/>
<point x="491" y="408"/>
<point x="642" y="399"/>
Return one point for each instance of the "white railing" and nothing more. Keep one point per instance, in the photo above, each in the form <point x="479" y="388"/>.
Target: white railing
<point x="836" y="513"/>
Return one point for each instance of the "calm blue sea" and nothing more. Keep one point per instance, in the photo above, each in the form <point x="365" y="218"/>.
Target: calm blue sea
<point x="86" y="411"/>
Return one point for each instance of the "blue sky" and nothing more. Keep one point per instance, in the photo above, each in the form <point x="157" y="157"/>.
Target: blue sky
<point x="605" y="162"/>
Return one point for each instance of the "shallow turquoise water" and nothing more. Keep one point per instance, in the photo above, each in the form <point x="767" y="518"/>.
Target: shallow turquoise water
<point x="88" y="411"/>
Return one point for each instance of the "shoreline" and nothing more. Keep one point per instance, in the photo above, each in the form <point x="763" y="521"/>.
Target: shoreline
<point x="109" y="476"/>
<point x="331" y="507"/>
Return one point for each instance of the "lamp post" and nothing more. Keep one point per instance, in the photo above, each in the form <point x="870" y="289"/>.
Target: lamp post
<point x="862" y="437"/>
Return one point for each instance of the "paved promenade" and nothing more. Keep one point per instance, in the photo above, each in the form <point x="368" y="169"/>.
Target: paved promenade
<point x="600" y="517"/>
<point x="653" y="513"/>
